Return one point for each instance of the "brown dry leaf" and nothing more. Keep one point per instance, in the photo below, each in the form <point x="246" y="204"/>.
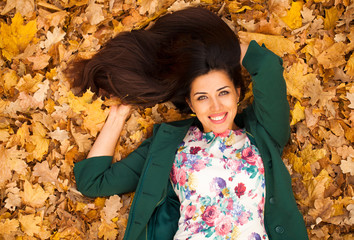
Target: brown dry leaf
<point x="52" y="38"/>
<point x="8" y="227"/>
<point x="40" y="61"/>
<point x="13" y="199"/>
<point x="108" y="231"/>
<point x="297" y="77"/>
<point x="112" y="206"/>
<point x="350" y="66"/>
<point x="94" y="13"/>
<point x="347" y="166"/>
<point x="59" y="135"/>
<point x="333" y="56"/>
<point x="44" y="173"/>
<point x="34" y="195"/>
<point x="83" y="141"/>
<point x="25" y="7"/>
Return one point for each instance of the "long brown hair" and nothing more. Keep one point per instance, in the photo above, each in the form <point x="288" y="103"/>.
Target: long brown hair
<point x="145" y="67"/>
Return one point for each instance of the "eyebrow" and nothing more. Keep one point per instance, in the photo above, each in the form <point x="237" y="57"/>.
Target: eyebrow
<point x="206" y="92"/>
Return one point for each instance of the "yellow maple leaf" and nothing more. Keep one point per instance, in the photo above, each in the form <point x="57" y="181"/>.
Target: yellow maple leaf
<point x="14" y="38"/>
<point x="29" y="84"/>
<point x="34" y="195"/>
<point x="95" y="116"/>
<point x="308" y="154"/>
<point x="38" y="144"/>
<point x="79" y="104"/>
<point x="277" y="44"/>
<point x="333" y="56"/>
<point x="9" y="79"/>
<point x="296" y="78"/>
<point x="298" y="113"/>
<point x="331" y="18"/>
<point x="31" y="224"/>
<point x="350" y="66"/>
<point x="293" y="18"/>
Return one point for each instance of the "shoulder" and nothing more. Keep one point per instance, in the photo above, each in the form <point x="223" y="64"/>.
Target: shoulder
<point x="185" y="123"/>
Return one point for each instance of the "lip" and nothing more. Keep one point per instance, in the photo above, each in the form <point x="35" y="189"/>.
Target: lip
<point x="218" y="115"/>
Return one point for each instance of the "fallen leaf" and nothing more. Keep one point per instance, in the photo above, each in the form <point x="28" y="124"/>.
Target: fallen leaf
<point x="293" y="18"/>
<point x="347" y="166"/>
<point x="9" y="227"/>
<point x="14" y="38"/>
<point x="298" y="113"/>
<point x="53" y="37"/>
<point x="24" y="7"/>
<point x="46" y="174"/>
<point x="277" y="44"/>
<point x="94" y="13"/>
<point x="112" y="206"/>
<point x="34" y="195"/>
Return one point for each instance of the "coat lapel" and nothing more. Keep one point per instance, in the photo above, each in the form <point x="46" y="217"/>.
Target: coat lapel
<point x="152" y="185"/>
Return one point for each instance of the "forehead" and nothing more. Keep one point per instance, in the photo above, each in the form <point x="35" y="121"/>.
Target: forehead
<point x="211" y="81"/>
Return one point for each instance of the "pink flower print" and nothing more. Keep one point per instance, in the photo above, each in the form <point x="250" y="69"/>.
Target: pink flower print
<point x="223" y="225"/>
<point x="243" y="218"/>
<point x="173" y="174"/>
<point x="230" y="204"/>
<point x="249" y="156"/>
<point x="194" y="150"/>
<point x="190" y="210"/>
<point x="260" y="165"/>
<point x="181" y="176"/>
<point x="234" y="165"/>
<point x="209" y="215"/>
<point x="240" y="189"/>
<point x="223" y="134"/>
<point x="195" y="227"/>
<point x="198" y="134"/>
<point x="200" y="164"/>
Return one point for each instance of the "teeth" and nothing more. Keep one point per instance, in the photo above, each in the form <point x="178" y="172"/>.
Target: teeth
<point x="217" y="118"/>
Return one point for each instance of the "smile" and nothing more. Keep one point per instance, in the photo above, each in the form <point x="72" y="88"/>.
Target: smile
<point x="218" y="118"/>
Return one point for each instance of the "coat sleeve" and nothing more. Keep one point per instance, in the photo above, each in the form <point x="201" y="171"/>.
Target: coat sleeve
<point x="270" y="104"/>
<point x="97" y="176"/>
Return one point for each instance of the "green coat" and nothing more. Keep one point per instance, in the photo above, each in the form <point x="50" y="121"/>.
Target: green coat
<point x="155" y="209"/>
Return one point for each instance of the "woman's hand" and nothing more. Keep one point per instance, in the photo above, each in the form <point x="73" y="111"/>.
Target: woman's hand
<point x="107" y="139"/>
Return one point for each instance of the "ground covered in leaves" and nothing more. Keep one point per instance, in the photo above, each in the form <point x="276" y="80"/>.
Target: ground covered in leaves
<point x="45" y="128"/>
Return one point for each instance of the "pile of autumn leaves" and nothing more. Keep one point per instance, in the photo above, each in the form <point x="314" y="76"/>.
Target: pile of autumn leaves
<point x="45" y="128"/>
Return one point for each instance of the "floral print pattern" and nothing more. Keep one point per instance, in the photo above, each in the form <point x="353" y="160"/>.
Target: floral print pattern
<point x="219" y="179"/>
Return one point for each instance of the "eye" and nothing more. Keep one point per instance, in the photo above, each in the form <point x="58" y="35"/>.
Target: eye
<point x="200" y="98"/>
<point x="222" y="93"/>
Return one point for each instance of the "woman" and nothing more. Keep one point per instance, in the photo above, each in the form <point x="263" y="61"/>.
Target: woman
<point x="217" y="176"/>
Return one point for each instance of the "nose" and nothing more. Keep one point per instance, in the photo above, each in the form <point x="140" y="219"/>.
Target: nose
<point x="215" y="105"/>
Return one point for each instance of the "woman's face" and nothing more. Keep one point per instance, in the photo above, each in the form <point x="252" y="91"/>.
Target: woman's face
<point x="214" y="98"/>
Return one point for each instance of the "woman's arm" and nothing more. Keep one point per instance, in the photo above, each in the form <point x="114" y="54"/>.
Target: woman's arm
<point x="270" y="104"/>
<point x="96" y="175"/>
<point x="109" y="135"/>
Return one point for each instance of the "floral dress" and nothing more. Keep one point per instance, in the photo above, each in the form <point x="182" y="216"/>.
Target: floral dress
<point x="219" y="179"/>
